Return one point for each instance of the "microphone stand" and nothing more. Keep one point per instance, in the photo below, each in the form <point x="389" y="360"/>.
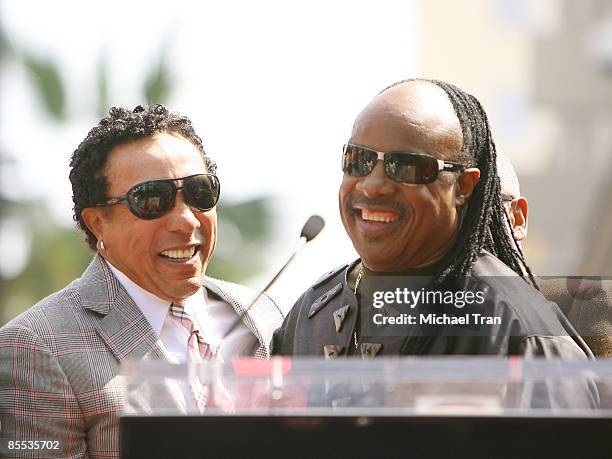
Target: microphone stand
<point x="311" y="229"/>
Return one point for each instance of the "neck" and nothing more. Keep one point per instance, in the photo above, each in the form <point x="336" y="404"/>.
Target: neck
<point x="425" y="269"/>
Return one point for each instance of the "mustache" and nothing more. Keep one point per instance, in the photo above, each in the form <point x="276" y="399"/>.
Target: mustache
<point x="375" y="202"/>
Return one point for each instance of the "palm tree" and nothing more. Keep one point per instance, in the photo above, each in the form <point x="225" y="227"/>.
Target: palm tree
<point x="59" y="255"/>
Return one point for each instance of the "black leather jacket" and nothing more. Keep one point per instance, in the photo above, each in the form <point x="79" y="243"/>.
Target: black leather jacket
<point x="323" y="321"/>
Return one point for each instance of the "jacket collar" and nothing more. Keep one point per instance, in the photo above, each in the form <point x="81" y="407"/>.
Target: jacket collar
<point x="120" y="322"/>
<point x="259" y="317"/>
<point x="129" y="335"/>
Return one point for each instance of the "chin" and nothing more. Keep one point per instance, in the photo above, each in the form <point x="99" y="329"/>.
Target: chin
<point x="193" y="285"/>
<point x="186" y="289"/>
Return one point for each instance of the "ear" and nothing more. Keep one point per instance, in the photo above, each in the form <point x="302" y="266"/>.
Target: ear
<point x="465" y="185"/>
<point x="520" y="211"/>
<point x="94" y="218"/>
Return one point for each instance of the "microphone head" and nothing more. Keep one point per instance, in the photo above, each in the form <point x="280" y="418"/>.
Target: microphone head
<point x="312" y="227"/>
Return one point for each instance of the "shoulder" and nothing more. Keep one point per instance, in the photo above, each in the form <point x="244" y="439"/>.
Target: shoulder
<point x="319" y="294"/>
<point x="491" y="273"/>
<point x="587" y="303"/>
<point x="294" y="337"/>
<point x="49" y="317"/>
<point x="238" y="293"/>
<point x="515" y="298"/>
<point x="488" y="265"/>
<point x="324" y="288"/>
<point x="35" y="336"/>
<point x="331" y="274"/>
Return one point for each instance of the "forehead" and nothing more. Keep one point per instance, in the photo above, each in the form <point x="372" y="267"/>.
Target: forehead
<point x="158" y="157"/>
<point x="414" y="116"/>
<point x="507" y="176"/>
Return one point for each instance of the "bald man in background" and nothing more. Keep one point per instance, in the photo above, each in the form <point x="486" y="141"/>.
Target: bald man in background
<point x="587" y="303"/>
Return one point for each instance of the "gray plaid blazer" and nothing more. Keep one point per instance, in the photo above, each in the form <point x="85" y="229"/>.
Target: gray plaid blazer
<point x="59" y="362"/>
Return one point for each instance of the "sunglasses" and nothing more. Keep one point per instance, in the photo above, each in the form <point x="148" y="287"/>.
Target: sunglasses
<point x="154" y="198"/>
<point x="416" y="168"/>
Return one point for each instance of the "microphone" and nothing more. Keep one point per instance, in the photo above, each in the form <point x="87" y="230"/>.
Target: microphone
<point x="310" y="230"/>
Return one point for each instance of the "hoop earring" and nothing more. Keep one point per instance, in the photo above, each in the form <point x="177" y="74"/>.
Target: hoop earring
<point x="100" y="246"/>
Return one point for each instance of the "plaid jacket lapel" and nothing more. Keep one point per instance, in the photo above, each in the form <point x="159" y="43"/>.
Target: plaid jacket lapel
<point x="120" y="322"/>
<point x="262" y="319"/>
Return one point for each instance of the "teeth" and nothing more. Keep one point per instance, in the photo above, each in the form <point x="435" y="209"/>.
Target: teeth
<point x="179" y="254"/>
<point x="385" y="217"/>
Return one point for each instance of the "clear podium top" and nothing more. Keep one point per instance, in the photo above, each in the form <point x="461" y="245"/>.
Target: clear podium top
<point x="377" y="387"/>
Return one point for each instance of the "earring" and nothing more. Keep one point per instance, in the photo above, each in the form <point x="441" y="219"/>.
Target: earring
<point x="100" y="246"/>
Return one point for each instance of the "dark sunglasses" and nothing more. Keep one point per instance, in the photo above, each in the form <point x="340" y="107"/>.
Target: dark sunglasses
<point x="154" y="198"/>
<point x="358" y="161"/>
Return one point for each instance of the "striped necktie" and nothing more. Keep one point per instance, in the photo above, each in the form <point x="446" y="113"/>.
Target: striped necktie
<point x="198" y="351"/>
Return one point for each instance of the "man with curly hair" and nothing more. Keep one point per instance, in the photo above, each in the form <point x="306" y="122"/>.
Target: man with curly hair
<point x="144" y="193"/>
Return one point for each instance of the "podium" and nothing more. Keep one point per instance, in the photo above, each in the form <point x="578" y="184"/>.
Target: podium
<point x="384" y="407"/>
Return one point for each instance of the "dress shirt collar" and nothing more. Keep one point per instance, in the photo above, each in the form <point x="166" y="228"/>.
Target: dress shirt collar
<point x="154" y="308"/>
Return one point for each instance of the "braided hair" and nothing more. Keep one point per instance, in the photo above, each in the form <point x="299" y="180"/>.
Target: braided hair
<point x="485" y="225"/>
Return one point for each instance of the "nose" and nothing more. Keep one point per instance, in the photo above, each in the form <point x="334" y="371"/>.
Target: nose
<point x="376" y="183"/>
<point x="181" y="217"/>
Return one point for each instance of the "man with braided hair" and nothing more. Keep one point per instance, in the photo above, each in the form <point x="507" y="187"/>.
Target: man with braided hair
<point x="420" y="200"/>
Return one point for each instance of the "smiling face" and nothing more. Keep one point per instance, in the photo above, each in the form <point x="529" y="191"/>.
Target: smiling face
<point x="166" y="256"/>
<point x="397" y="226"/>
